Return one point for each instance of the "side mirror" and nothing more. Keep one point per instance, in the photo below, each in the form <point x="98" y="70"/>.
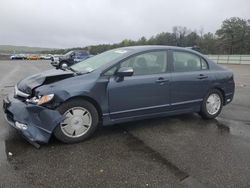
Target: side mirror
<point x="125" y="71"/>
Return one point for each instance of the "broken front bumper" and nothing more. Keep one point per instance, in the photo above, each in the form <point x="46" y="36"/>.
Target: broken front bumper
<point x="35" y="122"/>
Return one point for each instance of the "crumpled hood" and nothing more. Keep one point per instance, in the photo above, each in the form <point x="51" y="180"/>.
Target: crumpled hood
<point x="28" y="84"/>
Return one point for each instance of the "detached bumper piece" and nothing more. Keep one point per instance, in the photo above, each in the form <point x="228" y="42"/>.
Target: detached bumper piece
<point x="36" y="123"/>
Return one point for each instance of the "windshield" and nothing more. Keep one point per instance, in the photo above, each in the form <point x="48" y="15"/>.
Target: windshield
<point x="97" y="61"/>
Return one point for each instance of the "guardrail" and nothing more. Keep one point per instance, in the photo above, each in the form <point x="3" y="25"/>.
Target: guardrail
<point x="230" y="59"/>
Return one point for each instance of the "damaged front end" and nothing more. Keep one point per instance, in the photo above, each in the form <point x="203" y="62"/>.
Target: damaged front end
<point x="36" y="123"/>
<point x="26" y="112"/>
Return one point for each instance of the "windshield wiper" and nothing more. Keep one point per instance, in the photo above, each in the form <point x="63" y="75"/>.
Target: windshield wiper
<point x="73" y="70"/>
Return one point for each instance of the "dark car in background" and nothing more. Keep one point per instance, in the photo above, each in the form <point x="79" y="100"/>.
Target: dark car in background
<point x="70" y="58"/>
<point x="119" y="85"/>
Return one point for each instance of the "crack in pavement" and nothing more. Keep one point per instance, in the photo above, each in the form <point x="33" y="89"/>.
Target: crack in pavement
<point x="139" y="145"/>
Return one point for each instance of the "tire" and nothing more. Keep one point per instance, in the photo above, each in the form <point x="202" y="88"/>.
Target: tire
<point x="69" y="130"/>
<point x="212" y="112"/>
<point x="63" y="62"/>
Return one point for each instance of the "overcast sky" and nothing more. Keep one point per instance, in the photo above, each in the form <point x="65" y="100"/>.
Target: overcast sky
<point x="71" y="23"/>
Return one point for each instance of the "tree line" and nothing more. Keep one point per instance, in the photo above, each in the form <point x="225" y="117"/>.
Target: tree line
<point x="233" y="37"/>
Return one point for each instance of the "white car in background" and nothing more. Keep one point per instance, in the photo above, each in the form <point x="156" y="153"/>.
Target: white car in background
<point x="46" y="57"/>
<point x="18" y="57"/>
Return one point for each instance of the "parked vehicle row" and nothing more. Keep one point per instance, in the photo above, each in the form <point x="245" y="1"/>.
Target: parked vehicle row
<point x="30" y="57"/>
<point x="58" y="61"/>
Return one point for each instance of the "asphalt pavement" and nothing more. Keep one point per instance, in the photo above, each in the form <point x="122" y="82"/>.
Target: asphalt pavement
<point x="178" y="151"/>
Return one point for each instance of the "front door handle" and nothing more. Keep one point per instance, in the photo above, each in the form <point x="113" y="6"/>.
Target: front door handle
<point x="202" y="76"/>
<point x="161" y="80"/>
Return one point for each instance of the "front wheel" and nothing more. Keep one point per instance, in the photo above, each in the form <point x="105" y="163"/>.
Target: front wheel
<point x="63" y="64"/>
<point x="81" y="121"/>
<point x="212" y="105"/>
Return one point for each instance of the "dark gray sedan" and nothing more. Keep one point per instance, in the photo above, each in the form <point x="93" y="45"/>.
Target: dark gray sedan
<point x="119" y="85"/>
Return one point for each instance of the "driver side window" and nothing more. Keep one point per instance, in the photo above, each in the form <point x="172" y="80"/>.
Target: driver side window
<point x="147" y="63"/>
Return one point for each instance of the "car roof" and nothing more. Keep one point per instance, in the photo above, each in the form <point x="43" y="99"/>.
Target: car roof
<point x="157" y="47"/>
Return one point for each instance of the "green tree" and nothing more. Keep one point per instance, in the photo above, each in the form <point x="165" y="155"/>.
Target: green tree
<point x="192" y="39"/>
<point x="180" y="34"/>
<point x="142" y="41"/>
<point x="208" y="44"/>
<point x="233" y="35"/>
<point x="165" y="39"/>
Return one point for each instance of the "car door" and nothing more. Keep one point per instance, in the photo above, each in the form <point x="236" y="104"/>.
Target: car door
<point x="190" y="80"/>
<point x="146" y="92"/>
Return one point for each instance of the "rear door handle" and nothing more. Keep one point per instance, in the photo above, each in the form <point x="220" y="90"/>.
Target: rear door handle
<point x="161" y="80"/>
<point x="202" y="76"/>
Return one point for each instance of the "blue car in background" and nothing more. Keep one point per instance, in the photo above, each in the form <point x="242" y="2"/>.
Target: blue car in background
<point x="70" y="58"/>
<point x="120" y="85"/>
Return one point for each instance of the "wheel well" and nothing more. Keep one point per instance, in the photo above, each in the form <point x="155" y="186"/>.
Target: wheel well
<point x="92" y="101"/>
<point x="223" y="94"/>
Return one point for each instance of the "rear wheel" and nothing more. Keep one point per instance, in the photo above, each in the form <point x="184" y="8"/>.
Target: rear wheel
<point x="212" y="104"/>
<point x="81" y="120"/>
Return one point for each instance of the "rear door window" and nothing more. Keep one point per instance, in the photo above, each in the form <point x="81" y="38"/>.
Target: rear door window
<point x="188" y="62"/>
